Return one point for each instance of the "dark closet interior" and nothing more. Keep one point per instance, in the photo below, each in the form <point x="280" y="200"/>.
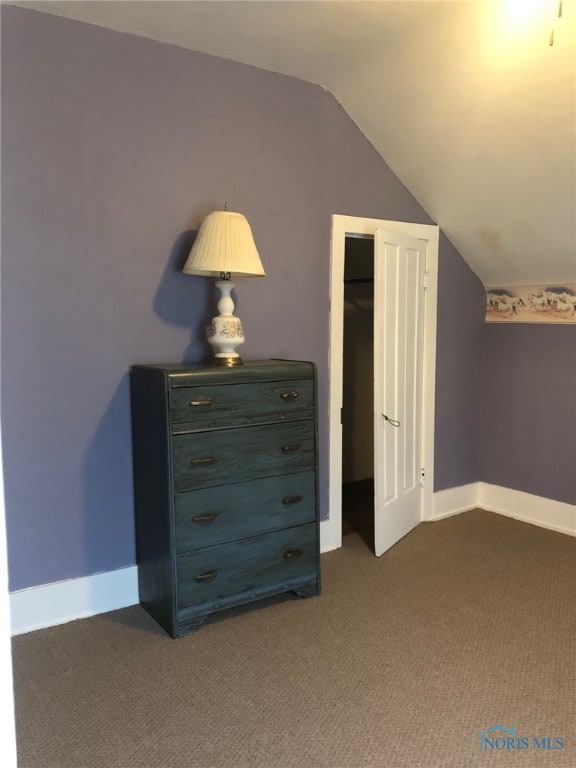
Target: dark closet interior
<point x="358" y="389"/>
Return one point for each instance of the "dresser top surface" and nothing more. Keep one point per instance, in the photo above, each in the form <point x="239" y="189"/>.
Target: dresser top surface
<point x="183" y="375"/>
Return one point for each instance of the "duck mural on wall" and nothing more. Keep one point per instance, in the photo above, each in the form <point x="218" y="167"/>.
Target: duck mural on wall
<point x="531" y="304"/>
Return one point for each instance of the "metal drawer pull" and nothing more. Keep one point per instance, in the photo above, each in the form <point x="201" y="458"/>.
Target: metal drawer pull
<point x="291" y="395"/>
<point x="291" y="499"/>
<point x="290" y="553"/>
<point x="204" y="460"/>
<point x="291" y="447"/>
<point x="206" y="576"/>
<point x="208" y="518"/>
<point x="203" y="401"/>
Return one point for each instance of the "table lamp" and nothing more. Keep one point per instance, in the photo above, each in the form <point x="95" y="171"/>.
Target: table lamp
<point x="224" y="247"/>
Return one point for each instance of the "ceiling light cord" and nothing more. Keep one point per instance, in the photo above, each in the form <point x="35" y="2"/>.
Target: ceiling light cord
<point x="560" y="11"/>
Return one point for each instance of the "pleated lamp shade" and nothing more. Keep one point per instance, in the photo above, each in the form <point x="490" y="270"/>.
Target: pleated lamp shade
<point x="224" y="244"/>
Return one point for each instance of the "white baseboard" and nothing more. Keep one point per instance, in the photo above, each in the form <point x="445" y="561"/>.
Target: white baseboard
<point x="547" y="513"/>
<point x="452" y="501"/>
<point x="526" y="507"/>
<point x="62" y="601"/>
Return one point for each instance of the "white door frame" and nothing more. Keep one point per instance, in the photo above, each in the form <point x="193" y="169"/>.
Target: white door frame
<point x="331" y="529"/>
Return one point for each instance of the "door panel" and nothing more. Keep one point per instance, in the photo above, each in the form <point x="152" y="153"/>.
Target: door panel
<point x="398" y="350"/>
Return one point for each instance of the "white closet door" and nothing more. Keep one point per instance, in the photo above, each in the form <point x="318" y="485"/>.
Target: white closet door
<point x="400" y="264"/>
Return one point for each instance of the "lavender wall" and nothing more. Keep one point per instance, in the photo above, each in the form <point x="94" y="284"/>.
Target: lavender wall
<point x="528" y="437"/>
<point x="113" y="149"/>
<point x="461" y="313"/>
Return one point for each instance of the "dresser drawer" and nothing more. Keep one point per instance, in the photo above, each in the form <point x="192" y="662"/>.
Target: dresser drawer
<point x="241" y="566"/>
<point x="212" y="516"/>
<point x="248" y="453"/>
<point x="210" y="405"/>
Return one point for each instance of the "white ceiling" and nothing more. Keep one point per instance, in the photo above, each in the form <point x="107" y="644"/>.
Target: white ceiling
<point x="472" y="109"/>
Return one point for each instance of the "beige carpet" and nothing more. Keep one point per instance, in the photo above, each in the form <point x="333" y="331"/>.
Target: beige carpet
<point x="465" y="624"/>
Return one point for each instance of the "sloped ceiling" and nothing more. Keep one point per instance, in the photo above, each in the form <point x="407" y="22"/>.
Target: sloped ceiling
<point x="465" y="100"/>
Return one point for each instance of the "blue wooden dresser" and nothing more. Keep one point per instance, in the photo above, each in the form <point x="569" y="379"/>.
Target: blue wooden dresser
<point x="225" y="477"/>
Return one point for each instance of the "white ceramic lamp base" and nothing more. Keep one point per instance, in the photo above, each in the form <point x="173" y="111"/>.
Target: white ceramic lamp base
<point x="225" y="332"/>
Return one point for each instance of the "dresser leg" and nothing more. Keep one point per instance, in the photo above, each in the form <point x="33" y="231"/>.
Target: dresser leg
<point x="192" y="625"/>
<point x="307" y="590"/>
